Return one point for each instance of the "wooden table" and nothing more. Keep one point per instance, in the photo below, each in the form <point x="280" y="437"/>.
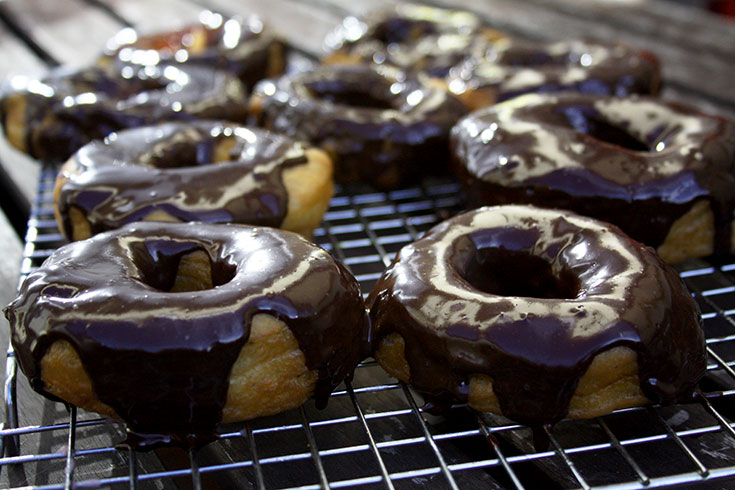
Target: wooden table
<point x="375" y="430"/>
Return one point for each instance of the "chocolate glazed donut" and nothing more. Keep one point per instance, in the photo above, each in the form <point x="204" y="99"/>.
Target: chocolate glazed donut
<point x="537" y="315"/>
<point x="663" y="172"/>
<point x="241" y="46"/>
<point x="511" y="68"/>
<point x="379" y="125"/>
<point x="164" y="357"/>
<point x="207" y="171"/>
<point x="53" y="117"/>
<point x="412" y="37"/>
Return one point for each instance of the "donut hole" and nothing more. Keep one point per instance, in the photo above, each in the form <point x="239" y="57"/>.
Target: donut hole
<point x="352" y="93"/>
<point x="517" y="273"/>
<point x="511" y="270"/>
<point x="182" y="150"/>
<point x="174" y="266"/>
<point x="587" y="121"/>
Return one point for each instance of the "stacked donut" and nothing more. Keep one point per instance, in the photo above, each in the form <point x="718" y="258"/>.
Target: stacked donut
<point x="536" y="313"/>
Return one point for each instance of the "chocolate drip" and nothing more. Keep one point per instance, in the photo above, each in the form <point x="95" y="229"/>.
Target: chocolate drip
<point x="162" y="360"/>
<point x="67" y="109"/>
<point x="384" y="128"/>
<point x="606" y="291"/>
<point x="585" y="153"/>
<point x="241" y="46"/>
<point x="172" y="168"/>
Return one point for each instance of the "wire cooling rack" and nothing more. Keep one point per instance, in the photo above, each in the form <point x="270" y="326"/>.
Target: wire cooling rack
<point x="373" y="434"/>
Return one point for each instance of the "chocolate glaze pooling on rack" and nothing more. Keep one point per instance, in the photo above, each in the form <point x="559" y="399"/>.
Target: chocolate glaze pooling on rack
<point x="637" y="162"/>
<point x="202" y="171"/>
<point x="52" y="117"/>
<point x="529" y="297"/>
<point x="162" y="360"/>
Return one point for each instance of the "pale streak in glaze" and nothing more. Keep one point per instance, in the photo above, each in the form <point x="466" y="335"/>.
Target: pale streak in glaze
<point x="212" y="191"/>
<point x="68" y="108"/>
<point x="172" y="352"/>
<point x="415" y="38"/>
<point x="246" y="54"/>
<point x="535" y="349"/>
<point x="401" y="138"/>
<point x="602" y="309"/>
<point x="637" y="162"/>
<point x="511" y="68"/>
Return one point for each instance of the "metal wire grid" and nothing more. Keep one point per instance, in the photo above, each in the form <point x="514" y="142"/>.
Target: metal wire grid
<point x="379" y="423"/>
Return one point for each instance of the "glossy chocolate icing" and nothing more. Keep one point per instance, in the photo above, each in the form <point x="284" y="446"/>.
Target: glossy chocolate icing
<point x="241" y="46"/>
<point x="162" y="360"/>
<point x="511" y="68"/>
<point x="415" y="38"/>
<point x="67" y="109"/>
<point x="637" y="162"/>
<point x="171" y="168"/>
<point x="384" y="127"/>
<point x="584" y="288"/>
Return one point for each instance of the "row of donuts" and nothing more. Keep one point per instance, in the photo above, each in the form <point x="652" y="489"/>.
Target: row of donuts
<point x="181" y="75"/>
<point x="174" y="328"/>
<point x="394" y="78"/>
<point x="235" y="281"/>
<point x="579" y="130"/>
<point x="605" y="156"/>
<point x="530" y="313"/>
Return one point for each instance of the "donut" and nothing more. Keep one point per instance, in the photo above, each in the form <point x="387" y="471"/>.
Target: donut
<point x="536" y="315"/>
<point x="53" y="117"/>
<point x="176" y="327"/>
<point x="411" y="37"/>
<point x="661" y="171"/>
<point x="241" y="46"/>
<point x="511" y="68"/>
<point x="205" y="171"/>
<point x="380" y="125"/>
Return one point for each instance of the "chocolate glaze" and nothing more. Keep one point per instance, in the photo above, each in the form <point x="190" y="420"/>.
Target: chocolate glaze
<point x="512" y="68"/>
<point x="415" y="38"/>
<point x="241" y="46"/>
<point x="162" y="360"/>
<point x="606" y="291"/>
<point x="384" y="127"/>
<point x="637" y="162"/>
<point x="67" y="109"/>
<point x="171" y="168"/>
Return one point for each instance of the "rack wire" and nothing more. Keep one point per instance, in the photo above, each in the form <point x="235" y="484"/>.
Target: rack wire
<point x="374" y="433"/>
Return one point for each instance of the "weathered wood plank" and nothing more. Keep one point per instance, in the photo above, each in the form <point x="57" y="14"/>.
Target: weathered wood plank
<point x="72" y="31"/>
<point x="11" y="252"/>
<point x="149" y="17"/>
<point x="18" y="180"/>
<point x="704" y="73"/>
<point x="301" y="24"/>
<point x="687" y="28"/>
<point x="18" y="173"/>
